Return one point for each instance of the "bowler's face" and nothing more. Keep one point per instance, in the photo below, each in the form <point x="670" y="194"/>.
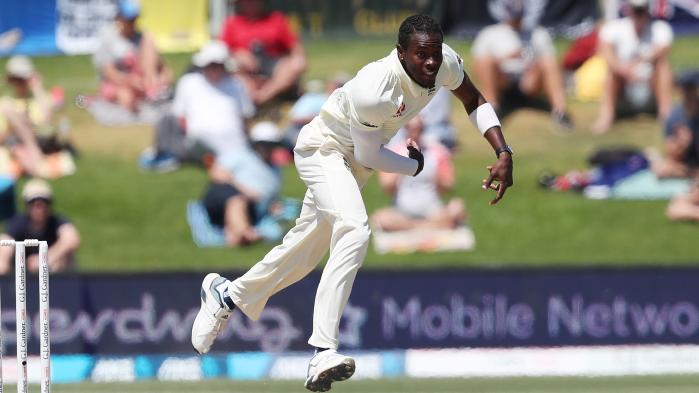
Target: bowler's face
<point x="423" y="57"/>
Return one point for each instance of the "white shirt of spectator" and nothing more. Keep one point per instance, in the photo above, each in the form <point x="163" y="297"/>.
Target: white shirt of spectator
<point x="111" y="47"/>
<point x="380" y="98"/>
<point x="628" y="45"/>
<point x="514" y="50"/>
<point x="418" y="196"/>
<point x="214" y="114"/>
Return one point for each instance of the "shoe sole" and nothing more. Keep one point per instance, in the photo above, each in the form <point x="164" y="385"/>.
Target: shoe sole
<point x="341" y="372"/>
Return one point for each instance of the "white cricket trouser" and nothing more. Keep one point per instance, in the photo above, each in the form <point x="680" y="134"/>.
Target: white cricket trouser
<point x="333" y="216"/>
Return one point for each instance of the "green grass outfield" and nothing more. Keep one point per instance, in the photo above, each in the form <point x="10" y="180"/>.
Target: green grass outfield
<point x="134" y="221"/>
<point x="645" y="384"/>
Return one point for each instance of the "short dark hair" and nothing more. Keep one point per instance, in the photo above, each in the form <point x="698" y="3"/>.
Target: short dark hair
<point x="417" y="24"/>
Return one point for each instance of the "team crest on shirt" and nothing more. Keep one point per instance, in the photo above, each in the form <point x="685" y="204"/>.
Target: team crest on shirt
<point x="400" y="110"/>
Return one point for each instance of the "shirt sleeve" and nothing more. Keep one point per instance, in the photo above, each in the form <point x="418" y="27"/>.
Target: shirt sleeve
<point x="370" y="97"/>
<point x="371" y="103"/>
<point x="542" y="42"/>
<point x="607" y="32"/>
<point x="287" y="36"/>
<point x="452" y="67"/>
<point x="227" y="33"/>
<point x="179" y="103"/>
<point x="480" y="46"/>
<point x="662" y="34"/>
<point x="16" y="228"/>
<point x="370" y="151"/>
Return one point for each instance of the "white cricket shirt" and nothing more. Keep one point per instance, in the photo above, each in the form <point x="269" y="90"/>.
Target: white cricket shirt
<point x="381" y="98"/>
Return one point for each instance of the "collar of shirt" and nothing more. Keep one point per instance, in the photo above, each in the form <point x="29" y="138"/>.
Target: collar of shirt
<point x="406" y="82"/>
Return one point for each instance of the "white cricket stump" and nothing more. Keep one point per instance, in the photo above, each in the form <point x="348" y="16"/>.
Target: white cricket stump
<point x="21" y="315"/>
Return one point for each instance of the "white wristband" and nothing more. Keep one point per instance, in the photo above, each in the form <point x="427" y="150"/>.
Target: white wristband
<point x="484" y="118"/>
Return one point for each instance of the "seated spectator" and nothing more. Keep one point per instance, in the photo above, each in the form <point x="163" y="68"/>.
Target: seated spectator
<point x="269" y="55"/>
<point x="639" y="77"/>
<point x="511" y="61"/>
<point x="685" y="207"/>
<point x="22" y="113"/>
<point x="130" y="68"/>
<point x="39" y="222"/>
<point x="417" y="200"/>
<point x="682" y="132"/>
<point x="209" y="113"/>
<point x="243" y="186"/>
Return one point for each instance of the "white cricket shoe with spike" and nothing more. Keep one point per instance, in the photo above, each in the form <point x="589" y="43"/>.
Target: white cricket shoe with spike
<point x="327" y="367"/>
<point x="213" y="314"/>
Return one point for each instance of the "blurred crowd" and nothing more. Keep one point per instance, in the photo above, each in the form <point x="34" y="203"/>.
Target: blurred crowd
<point x="223" y="114"/>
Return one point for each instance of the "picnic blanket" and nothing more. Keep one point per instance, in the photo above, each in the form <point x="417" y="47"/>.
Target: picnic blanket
<point x="271" y="227"/>
<point x="424" y="240"/>
<point x="111" y="114"/>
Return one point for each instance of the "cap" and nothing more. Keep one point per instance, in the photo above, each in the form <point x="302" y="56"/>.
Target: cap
<point x="19" y="67"/>
<point x="639" y="3"/>
<point x="129" y="9"/>
<point x="688" y="78"/>
<point x="214" y="52"/>
<point x="36" y="189"/>
<point x="266" y="131"/>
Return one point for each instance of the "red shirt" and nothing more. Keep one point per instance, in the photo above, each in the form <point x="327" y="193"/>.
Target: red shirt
<point x="272" y="32"/>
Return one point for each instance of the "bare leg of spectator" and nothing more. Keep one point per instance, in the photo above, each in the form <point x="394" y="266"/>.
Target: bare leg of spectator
<point x="390" y="219"/>
<point x="238" y="229"/>
<point x="553" y="83"/>
<point x="662" y="87"/>
<point x="610" y="95"/>
<point x="669" y="168"/>
<point x="126" y="97"/>
<point x="487" y="72"/>
<point x="683" y="208"/>
<point x="286" y="74"/>
<point x="28" y="152"/>
<point x="156" y="75"/>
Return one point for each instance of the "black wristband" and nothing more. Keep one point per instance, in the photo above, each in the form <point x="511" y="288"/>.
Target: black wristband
<point x="503" y="149"/>
<point x="416" y="155"/>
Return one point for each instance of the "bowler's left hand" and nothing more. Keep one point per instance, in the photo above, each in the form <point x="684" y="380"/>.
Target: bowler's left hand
<point x="499" y="176"/>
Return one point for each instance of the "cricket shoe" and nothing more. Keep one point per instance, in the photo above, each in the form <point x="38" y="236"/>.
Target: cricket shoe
<point x="213" y="314"/>
<point x="327" y="367"/>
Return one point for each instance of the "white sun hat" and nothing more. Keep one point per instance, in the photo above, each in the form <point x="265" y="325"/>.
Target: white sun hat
<point x="266" y="131"/>
<point x="214" y="52"/>
<point x="19" y="67"/>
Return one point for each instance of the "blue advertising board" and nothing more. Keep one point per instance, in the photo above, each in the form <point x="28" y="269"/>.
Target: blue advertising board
<point x="131" y="314"/>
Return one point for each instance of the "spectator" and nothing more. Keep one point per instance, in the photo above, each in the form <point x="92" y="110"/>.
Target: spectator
<point x="243" y="185"/>
<point x="682" y="132"/>
<point x="270" y="56"/>
<point x="511" y="60"/>
<point x="685" y="207"/>
<point x="131" y="70"/>
<point x="21" y="113"/>
<point x="639" y="77"/>
<point x="417" y="201"/>
<point x="210" y="112"/>
<point x="39" y="222"/>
